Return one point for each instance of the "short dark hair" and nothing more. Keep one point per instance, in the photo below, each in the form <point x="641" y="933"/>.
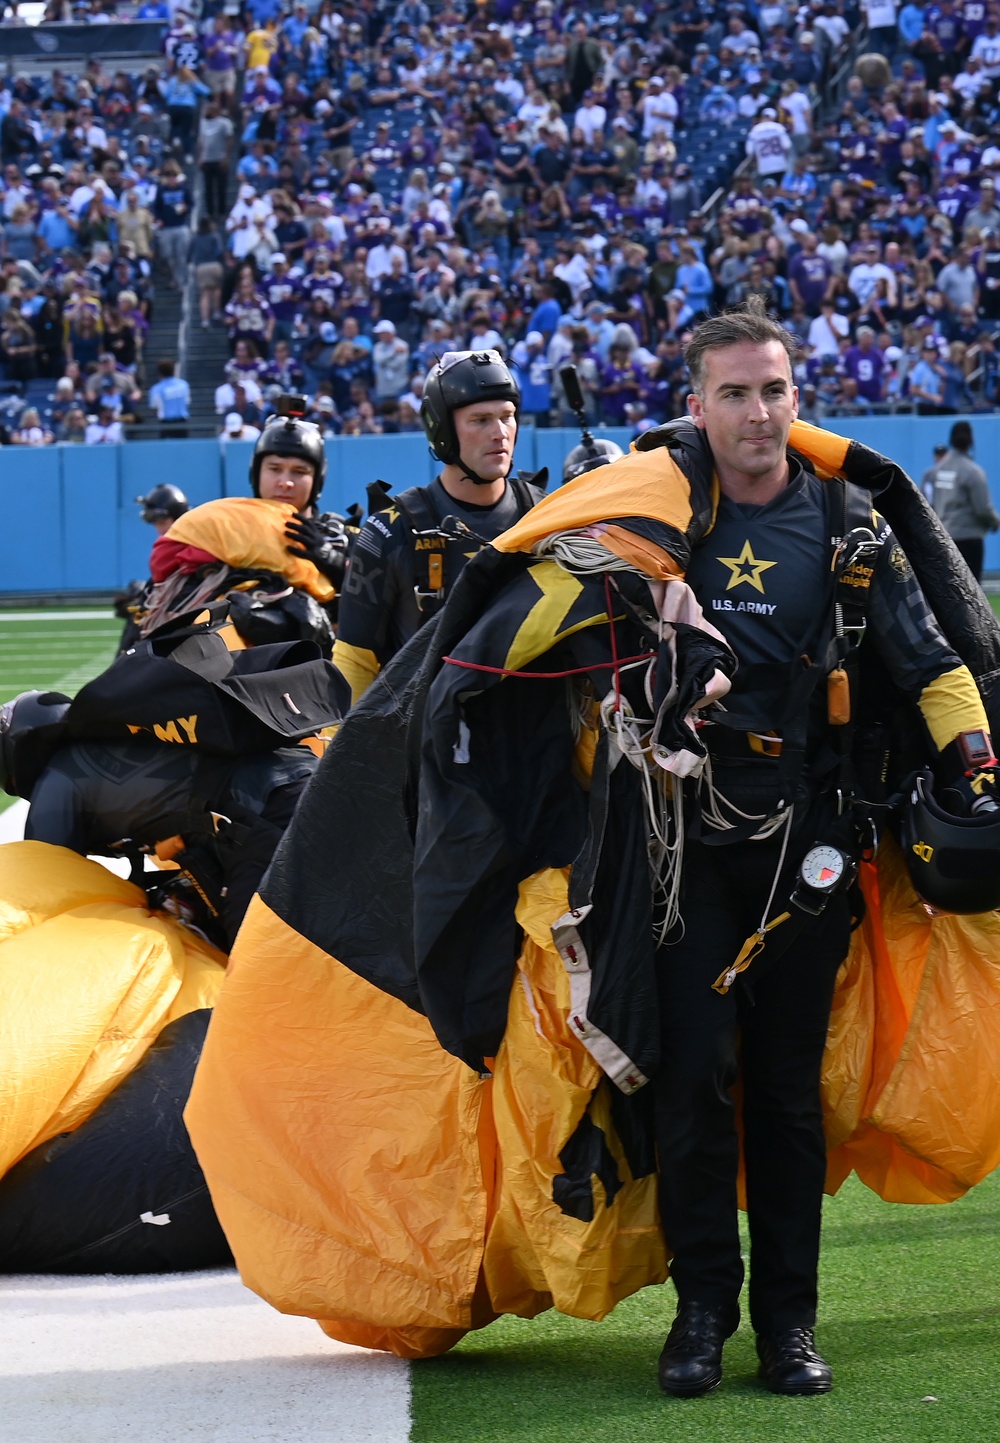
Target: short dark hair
<point x="165" y="368"/>
<point x="961" y="436"/>
<point x="748" y="322"/>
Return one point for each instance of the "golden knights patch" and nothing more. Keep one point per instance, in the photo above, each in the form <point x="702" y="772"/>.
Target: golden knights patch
<point x="902" y="570"/>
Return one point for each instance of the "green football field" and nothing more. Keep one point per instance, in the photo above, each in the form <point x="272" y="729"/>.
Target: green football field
<point x="910" y="1297"/>
<point x="910" y="1320"/>
<point x="55" y="649"/>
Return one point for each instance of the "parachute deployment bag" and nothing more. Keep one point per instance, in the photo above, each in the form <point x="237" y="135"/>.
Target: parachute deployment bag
<point x="189" y="689"/>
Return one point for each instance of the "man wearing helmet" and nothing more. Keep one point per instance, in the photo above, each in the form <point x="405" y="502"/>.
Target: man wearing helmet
<point x="162" y="506"/>
<point x="160" y="509"/>
<point x="590" y="454"/>
<point x="289" y="464"/>
<point x="408" y="555"/>
<point x="250" y="553"/>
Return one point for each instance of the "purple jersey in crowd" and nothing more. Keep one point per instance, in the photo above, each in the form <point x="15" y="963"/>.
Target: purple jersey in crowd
<point x="866" y="367"/>
<point x="953" y="201"/>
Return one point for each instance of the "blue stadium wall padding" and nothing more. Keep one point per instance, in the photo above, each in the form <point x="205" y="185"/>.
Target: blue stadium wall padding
<point x="91" y="545"/>
<point x="31" y="519"/>
<point x="70" y="523"/>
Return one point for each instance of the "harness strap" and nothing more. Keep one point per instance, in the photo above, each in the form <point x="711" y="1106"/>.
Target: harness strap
<point x="833" y="650"/>
<point x="441" y="552"/>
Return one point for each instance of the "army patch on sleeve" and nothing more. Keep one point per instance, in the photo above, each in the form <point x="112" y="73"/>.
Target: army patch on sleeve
<point x="902" y="570"/>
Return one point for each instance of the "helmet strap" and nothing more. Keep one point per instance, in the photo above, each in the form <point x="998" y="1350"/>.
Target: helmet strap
<point x="478" y="480"/>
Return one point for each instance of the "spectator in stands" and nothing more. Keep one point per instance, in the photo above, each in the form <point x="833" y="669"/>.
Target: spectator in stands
<point x="205" y="254"/>
<point x="47" y="325"/>
<point x="106" y="430"/>
<point x="236" y="429"/>
<point x="864" y="364"/>
<point x="182" y="92"/>
<point x="249" y="316"/>
<point x="390" y="360"/>
<point x="30" y="431"/>
<point x="927" y="382"/>
<point x="958" y="281"/>
<point x="222" y="49"/>
<point x="136" y="225"/>
<point x="20" y="235"/>
<point x="170" y="398"/>
<point x="73" y="430"/>
<point x="109" y="384"/>
<point x="172" y="215"/>
<point x="768" y="144"/>
<point x="215" y="139"/>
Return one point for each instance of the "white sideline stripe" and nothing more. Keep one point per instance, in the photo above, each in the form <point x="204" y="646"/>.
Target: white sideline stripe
<point x="56" y="616"/>
<point x="183" y="1356"/>
<point x="12" y="821"/>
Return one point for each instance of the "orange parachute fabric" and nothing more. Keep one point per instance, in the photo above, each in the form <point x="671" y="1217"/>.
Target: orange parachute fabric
<point x="88" y="979"/>
<point x="911" y="1081"/>
<point x="244" y="531"/>
<point x="369" y="1180"/>
<point x="639" y="485"/>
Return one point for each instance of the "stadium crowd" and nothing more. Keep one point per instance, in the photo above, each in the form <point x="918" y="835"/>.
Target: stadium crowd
<point x="383" y="182"/>
<point x="92" y="191"/>
<point x="531" y="182"/>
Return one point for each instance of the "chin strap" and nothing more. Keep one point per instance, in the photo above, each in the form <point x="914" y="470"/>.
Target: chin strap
<point x="481" y="481"/>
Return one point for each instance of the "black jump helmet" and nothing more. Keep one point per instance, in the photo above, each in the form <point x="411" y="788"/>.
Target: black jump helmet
<point x="587" y="457"/>
<point x="31" y="728"/>
<point x="287" y="434"/>
<point x="163" y="503"/>
<point x="459" y="379"/>
<point x="953" y="862"/>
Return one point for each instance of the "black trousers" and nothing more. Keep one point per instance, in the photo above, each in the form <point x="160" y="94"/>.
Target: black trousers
<point x="972" y="550"/>
<point x="770" y="1035"/>
<point x="215" y="174"/>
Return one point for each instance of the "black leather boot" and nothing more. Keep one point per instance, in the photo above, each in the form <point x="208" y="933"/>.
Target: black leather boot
<point x="691" y="1361"/>
<point x="790" y="1364"/>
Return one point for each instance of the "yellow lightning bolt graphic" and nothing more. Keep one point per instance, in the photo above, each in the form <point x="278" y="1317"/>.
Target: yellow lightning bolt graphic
<point x="745" y="567"/>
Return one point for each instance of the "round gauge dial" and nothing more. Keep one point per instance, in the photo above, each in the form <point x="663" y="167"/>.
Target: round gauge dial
<point x="822" y="868"/>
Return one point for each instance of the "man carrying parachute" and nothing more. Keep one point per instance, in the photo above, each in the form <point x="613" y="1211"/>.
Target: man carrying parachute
<point x="194" y="748"/>
<point x="277" y="558"/>
<point x="605" y="818"/>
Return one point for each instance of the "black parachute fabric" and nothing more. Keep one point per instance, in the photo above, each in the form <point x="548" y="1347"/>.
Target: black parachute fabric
<point x="124" y="1192"/>
<point x="189" y="689"/>
<point x="400" y="852"/>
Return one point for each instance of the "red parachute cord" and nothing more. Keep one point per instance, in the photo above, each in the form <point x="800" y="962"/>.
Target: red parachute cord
<point x="615" y="664"/>
<point x="549" y="675"/>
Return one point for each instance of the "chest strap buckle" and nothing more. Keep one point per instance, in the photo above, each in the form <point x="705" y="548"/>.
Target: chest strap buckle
<point x="765" y="745"/>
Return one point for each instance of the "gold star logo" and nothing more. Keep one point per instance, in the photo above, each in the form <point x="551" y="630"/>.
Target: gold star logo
<point x="745" y="567"/>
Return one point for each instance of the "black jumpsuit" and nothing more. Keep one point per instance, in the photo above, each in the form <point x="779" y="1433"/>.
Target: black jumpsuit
<point x="95" y="794"/>
<point x="760" y="577"/>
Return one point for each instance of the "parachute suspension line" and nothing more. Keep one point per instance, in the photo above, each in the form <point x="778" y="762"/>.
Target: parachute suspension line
<point x="582" y="554"/>
<point x="787" y="817"/>
<point x="713" y="802"/>
<point x="663" y="799"/>
<point x="616" y="673"/>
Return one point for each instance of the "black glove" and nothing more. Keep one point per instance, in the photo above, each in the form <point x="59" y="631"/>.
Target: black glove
<point x="327" y="550"/>
<point x="698" y="657"/>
